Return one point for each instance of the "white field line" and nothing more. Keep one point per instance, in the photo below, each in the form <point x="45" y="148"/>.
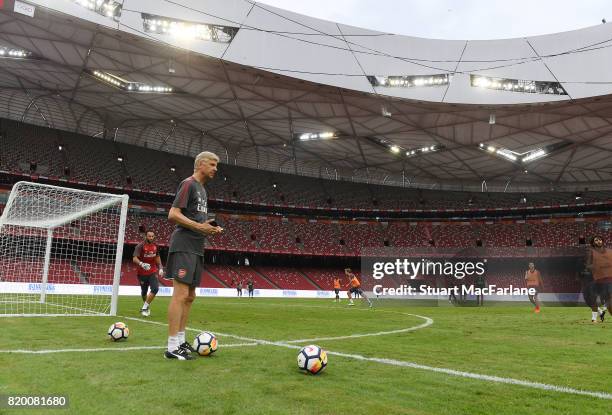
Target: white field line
<point x="488" y="378"/>
<point x="109" y="349"/>
<point x="428" y="322"/>
<point x="400" y="363"/>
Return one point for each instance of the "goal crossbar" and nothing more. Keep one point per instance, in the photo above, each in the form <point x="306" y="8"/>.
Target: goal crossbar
<point x="112" y="200"/>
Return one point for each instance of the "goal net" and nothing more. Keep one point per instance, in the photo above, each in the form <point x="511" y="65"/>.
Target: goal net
<point x="60" y="251"/>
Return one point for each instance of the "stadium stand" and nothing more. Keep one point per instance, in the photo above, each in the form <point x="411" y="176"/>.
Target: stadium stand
<point x="361" y="235"/>
<point x="230" y="275"/>
<point x="324" y="278"/>
<point x="453" y="236"/>
<point x="288" y="278"/>
<point x="402" y="234"/>
<point x="34" y="151"/>
<point x="554" y="234"/>
<point x="276" y="236"/>
<point x="23" y="152"/>
<point x="500" y="234"/>
<point x="298" y="236"/>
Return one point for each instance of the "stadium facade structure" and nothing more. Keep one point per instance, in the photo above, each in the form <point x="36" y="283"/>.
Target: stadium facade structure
<point x="249" y="81"/>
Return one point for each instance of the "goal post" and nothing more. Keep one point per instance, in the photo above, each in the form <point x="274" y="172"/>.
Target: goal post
<point x="61" y="251"/>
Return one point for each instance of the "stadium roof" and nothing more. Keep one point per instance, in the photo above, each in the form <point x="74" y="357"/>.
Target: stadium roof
<point x="275" y="90"/>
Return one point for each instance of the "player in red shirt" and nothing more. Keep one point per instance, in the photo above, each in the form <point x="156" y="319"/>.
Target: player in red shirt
<point x="146" y="256"/>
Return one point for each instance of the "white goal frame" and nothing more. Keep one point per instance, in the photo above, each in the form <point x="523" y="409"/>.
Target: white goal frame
<point x="51" y="225"/>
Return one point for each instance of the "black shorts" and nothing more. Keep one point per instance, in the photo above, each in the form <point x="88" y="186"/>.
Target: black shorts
<point x="589" y="294"/>
<point x="356" y="290"/>
<point x="150" y="280"/>
<point x="602" y="289"/>
<point x="185" y="267"/>
<point x="337" y="291"/>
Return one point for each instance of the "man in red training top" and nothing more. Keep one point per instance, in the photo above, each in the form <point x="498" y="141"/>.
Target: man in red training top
<point x="146" y="256"/>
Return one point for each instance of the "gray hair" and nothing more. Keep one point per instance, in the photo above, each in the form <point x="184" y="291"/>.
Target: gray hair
<point x="204" y="155"/>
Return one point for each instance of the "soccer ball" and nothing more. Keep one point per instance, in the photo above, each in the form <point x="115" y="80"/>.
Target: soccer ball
<point x="205" y="343"/>
<point x="312" y="359"/>
<point x="118" y="331"/>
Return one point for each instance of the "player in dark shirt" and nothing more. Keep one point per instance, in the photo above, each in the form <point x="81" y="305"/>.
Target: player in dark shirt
<point x="251" y="287"/>
<point x="146" y="256"/>
<point x="186" y="253"/>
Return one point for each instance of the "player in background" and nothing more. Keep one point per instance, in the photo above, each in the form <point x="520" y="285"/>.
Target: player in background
<point x="146" y="256"/>
<point x="589" y="294"/>
<point x="480" y="282"/>
<point x="337" y="289"/>
<point x="239" y="288"/>
<point x="355" y="287"/>
<point x="185" y="263"/>
<point x="533" y="278"/>
<point x="83" y="276"/>
<point x="356" y="294"/>
<point x="250" y="287"/>
<point x="452" y="297"/>
<point x="599" y="262"/>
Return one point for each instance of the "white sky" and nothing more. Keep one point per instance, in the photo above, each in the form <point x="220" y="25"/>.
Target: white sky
<point x="457" y="19"/>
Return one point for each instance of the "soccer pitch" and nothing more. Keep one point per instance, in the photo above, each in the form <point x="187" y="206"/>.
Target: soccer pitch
<point x="393" y="359"/>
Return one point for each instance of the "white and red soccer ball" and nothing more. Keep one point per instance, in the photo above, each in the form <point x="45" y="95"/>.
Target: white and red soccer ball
<point x="205" y="343"/>
<point x="118" y="331"/>
<point x="312" y="359"/>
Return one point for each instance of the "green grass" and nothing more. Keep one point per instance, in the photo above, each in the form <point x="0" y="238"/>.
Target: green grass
<point x="559" y="347"/>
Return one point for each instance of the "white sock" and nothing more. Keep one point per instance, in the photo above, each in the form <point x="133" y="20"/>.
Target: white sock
<point x="181" y="337"/>
<point x="173" y="343"/>
<point x="594" y="317"/>
<point x="145" y="306"/>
